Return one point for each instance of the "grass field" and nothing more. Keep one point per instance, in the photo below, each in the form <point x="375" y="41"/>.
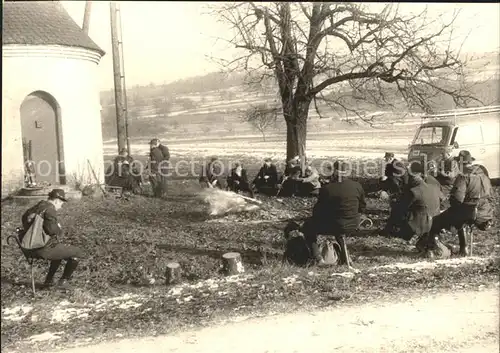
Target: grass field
<point x="119" y="288"/>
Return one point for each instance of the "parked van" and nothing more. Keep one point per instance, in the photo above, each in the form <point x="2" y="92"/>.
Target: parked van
<point x="441" y="137"/>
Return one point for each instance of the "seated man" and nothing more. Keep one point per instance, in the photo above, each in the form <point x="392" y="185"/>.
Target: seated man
<point x="54" y="250"/>
<point x="470" y="202"/>
<point x="310" y="182"/>
<point x="211" y="174"/>
<point x="124" y="174"/>
<point x="418" y="205"/>
<point x="238" y="181"/>
<point x="337" y="212"/>
<point x="394" y="180"/>
<point x="395" y="175"/>
<point x="266" y="181"/>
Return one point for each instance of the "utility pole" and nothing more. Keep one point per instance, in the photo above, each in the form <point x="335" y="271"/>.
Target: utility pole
<point x="119" y="78"/>
<point x="86" y="17"/>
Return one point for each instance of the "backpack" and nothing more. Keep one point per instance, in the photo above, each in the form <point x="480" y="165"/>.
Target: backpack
<point x="330" y="250"/>
<point x="35" y="237"/>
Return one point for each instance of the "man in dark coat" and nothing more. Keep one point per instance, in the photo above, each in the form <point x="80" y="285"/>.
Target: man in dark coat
<point x="266" y="181"/>
<point x="337" y="212"/>
<point x="394" y="181"/>
<point x="53" y="250"/>
<point x="470" y="202"/>
<point x="125" y="175"/>
<point x="238" y="181"/>
<point x="291" y="182"/>
<point x="211" y="174"/>
<point x="395" y="175"/>
<point x="419" y="203"/>
<point x="159" y="157"/>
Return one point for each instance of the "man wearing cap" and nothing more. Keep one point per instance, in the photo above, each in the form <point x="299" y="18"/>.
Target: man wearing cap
<point x="53" y="250"/>
<point x="266" y="181"/>
<point x="337" y="212"/>
<point x="238" y="181"/>
<point x="419" y="203"/>
<point x="159" y="157"/>
<point x="470" y="202"/>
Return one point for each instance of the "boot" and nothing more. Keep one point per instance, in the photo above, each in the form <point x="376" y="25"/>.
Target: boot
<point x="70" y="267"/>
<point x="344" y="254"/>
<point x="462" y="243"/>
<point x="49" y="280"/>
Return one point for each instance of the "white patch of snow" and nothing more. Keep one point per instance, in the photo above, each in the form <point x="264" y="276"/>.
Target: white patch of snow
<point x="343" y="274"/>
<point x="423" y="265"/>
<point x="46" y="336"/>
<point x="16" y="313"/>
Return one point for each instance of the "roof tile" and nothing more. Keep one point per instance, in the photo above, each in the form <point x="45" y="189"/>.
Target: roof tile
<point x="42" y="23"/>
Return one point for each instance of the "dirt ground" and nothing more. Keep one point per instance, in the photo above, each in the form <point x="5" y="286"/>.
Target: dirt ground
<point x="448" y="322"/>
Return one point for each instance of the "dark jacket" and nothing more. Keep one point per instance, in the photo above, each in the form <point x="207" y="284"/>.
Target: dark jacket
<point x="50" y="224"/>
<point x="211" y="172"/>
<point x="473" y="188"/>
<point x="234" y="180"/>
<point x="159" y="157"/>
<point x="397" y="176"/>
<point x="339" y="205"/>
<point x="420" y="203"/>
<point x="264" y="171"/>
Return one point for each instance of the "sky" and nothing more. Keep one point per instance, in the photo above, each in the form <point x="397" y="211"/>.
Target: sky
<point x="166" y="41"/>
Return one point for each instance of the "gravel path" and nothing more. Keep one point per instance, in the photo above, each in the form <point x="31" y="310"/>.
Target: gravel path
<point x="464" y="322"/>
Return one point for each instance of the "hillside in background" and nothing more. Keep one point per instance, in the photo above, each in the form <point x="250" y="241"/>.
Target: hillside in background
<point x="212" y="105"/>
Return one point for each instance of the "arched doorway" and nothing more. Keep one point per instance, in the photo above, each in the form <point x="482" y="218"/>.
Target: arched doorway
<point x="42" y="137"/>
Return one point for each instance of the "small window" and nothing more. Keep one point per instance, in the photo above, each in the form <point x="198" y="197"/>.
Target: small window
<point x="469" y="135"/>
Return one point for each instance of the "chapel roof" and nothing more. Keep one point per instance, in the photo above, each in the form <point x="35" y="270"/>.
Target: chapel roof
<point x="42" y="23"/>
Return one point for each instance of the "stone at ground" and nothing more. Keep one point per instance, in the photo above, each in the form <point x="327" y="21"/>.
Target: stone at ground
<point x="462" y="322"/>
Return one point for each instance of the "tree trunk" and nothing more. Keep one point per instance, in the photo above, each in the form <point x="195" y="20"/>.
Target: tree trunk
<point x="263" y="136"/>
<point x="296" y="129"/>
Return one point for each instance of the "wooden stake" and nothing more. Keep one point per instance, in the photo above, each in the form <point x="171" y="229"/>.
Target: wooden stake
<point x="173" y="273"/>
<point x="232" y="264"/>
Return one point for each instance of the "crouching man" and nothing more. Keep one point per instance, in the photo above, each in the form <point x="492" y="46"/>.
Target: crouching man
<point x="238" y="181"/>
<point x="266" y="181"/>
<point x="470" y="203"/>
<point x="54" y="250"/>
<point x="337" y="212"/>
<point x="418" y="205"/>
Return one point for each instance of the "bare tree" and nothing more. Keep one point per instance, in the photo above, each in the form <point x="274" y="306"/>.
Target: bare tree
<point x="162" y="106"/>
<point x="261" y="117"/>
<point x="343" y="53"/>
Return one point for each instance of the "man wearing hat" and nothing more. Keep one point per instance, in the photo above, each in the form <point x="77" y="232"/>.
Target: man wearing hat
<point x="159" y="157"/>
<point x="53" y="250"/>
<point x="470" y="202"/>
<point x="266" y="181"/>
<point x="393" y="181"/>
<point x="337" y="212"/>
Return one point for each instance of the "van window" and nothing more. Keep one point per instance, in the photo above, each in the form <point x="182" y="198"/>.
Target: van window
<point x="469" y="135"/>
<point x="431" y="135"/>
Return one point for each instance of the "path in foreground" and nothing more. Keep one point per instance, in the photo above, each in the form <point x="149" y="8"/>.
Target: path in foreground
<point x="462" y="322"/>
